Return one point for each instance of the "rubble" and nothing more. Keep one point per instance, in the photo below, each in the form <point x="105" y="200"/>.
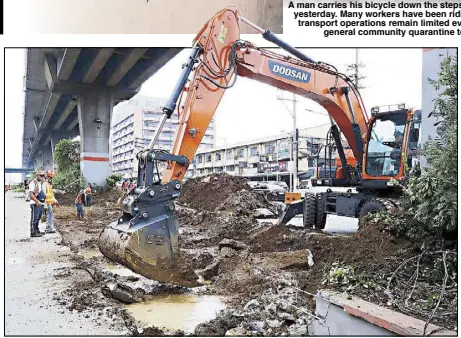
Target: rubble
<point x="267" y="273"/>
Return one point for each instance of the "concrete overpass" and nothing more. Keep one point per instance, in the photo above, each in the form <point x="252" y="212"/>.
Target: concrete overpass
<point x="18" y="170"/>
<point x="71" y="91"/>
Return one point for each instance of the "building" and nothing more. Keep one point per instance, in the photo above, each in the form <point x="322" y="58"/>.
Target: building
<point x="262" y="159"/>
<point x="134" y="125"/>
<point x="432" y="59"/>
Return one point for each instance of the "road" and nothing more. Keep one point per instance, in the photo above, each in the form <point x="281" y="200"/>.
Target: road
<point x="31" y="265"/>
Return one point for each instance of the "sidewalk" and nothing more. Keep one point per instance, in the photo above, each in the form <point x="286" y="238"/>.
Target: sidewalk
<point x="30" y="281"/>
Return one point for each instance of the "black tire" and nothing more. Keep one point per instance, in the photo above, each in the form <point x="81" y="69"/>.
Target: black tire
<point x="309" y="211"/>
<point x="321" y="215"/>
<point x="375" y="205"/>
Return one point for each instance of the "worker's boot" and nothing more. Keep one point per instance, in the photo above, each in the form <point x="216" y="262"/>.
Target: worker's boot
<point x="37" y="234"/>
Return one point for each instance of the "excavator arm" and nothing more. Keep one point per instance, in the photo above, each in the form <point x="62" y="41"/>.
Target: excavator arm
<point x="219" y="57"/>
<point x="145" y="237"/>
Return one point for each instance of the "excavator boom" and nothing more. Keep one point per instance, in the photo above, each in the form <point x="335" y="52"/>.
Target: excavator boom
<point x="145" y="237"/>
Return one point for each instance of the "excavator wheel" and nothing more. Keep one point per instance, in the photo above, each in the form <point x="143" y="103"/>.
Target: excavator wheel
<point x="309" y="211"/>
<point x="321" y="215"/>
<point x="374" y="205"/>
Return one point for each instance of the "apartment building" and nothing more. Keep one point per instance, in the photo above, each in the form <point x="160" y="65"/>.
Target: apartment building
<point x="135" y="123"/>
<point x="261" y="159"/>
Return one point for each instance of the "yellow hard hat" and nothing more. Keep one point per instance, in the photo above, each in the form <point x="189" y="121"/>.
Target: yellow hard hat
<point x="50" y="173"/>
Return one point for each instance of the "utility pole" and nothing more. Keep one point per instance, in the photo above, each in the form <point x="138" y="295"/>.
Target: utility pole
<point x="356" y="75"/>
<point x="294" y="144"/>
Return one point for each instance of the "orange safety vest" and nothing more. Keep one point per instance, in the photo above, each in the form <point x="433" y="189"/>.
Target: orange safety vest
<point x="49" y="194"/>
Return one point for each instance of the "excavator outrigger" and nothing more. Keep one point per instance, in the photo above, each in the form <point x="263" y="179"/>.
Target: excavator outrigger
<point x="145" y="236"/>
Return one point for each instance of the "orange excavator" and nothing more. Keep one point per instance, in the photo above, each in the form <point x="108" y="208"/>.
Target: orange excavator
<point x="145" y="237"/>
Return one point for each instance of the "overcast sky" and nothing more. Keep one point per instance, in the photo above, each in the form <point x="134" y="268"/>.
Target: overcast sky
<point x="250" y="109"/>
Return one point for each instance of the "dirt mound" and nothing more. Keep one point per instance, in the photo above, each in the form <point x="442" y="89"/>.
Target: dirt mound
<point x="221" y="192"/>
<point x="104" y="199"/>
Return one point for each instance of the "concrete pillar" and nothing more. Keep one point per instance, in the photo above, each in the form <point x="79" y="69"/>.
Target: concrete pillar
<point x="38" y="161"/>
<point x="47" y="157"/>
<point x="94" y="137"/>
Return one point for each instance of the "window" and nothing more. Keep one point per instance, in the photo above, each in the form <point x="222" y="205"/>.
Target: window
<point x="385" y="147"/>
<point x="208" y="158"/>
<point x="218" y="157"/>
<point x="254" y="151"/>
<point x="199" y="158"/>
<point x="240" y="153"/>
<point x="229" y="155"/>
<point x="269" y="148"/>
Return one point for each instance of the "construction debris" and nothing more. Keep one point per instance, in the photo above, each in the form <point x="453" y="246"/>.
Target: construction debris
<point x="267" y="273"/>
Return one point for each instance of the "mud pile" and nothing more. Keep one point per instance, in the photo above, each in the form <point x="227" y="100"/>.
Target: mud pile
<point x="104" y="199"/>
<point x="222" y="192"/>
<point x="220" y="206"/>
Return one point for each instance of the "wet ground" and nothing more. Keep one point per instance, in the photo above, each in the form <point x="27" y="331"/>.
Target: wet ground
<point x="262" y="275"/>
<point x="34" y="271"/>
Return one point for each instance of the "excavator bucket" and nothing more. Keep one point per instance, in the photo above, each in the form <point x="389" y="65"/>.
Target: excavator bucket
<point x="147" y="243"/>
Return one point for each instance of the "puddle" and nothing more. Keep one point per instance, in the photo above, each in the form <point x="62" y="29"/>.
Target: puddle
<point x="176" y="312"/>
<point x="91" y="254"/>
<point x="120" y="270"/>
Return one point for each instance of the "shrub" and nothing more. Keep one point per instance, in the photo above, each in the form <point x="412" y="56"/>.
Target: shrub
<point x="111" y="181"/>
<point x="70" y="180"/>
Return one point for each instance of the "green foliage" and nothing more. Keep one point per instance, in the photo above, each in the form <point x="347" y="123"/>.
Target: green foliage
<point x="432" y="195"/>
<point x="18" y="188"/>
<point x="70" y="180"/>
<point x="111" y="181"/>
<point x="429" y="207"/>
<point x="346" y="278"/>
<point x="67" y="154"/>
<point x="96" y="188"/>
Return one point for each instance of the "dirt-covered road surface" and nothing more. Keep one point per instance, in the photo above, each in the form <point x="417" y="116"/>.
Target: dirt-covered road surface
<point x="38" y="273"/>
<point x="137" y="16"/>
<point x="259" y="278"/>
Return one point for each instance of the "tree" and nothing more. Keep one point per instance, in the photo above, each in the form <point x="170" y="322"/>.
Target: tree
<point x="432" y="196"/>
<point x="67" y="154"/>
<point x="69" y="177"/>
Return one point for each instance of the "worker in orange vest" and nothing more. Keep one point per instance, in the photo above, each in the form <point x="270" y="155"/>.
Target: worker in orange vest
<point x="50" y="202"/>
<point x="88" y="195"/>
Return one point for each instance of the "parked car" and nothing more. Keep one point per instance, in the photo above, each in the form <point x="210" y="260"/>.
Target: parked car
<point x="273" y="192"/>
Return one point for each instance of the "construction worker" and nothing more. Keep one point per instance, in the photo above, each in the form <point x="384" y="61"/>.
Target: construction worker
<point x="88" y="195"/>
<point x="50" y="202"/>
<point x="132" y="185"/>
<point x="37" y="199"/>
<point x="26" y="188"/>
<point x="79" y="204"/>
